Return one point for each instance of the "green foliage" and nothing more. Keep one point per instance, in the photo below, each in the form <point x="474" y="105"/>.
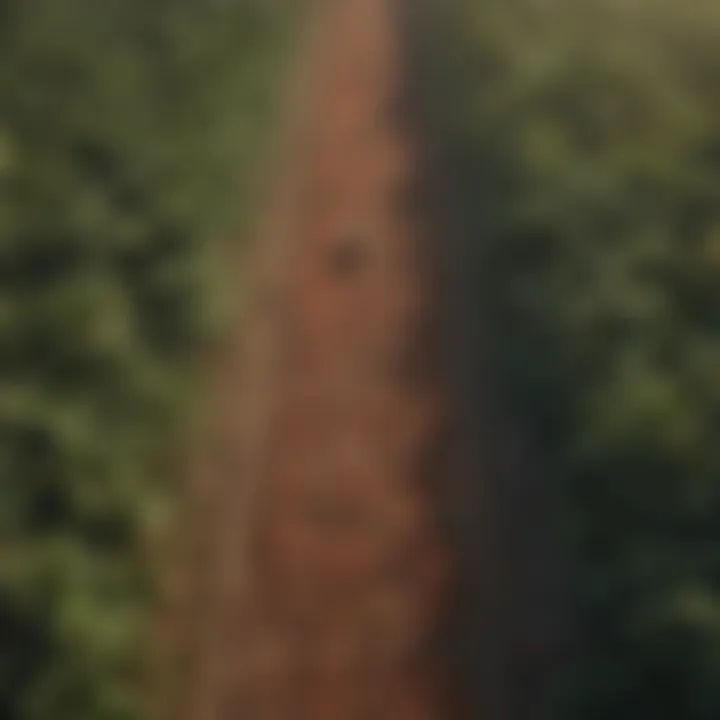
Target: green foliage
<point x="128" y="135"/>
<point x="584" y="141"/>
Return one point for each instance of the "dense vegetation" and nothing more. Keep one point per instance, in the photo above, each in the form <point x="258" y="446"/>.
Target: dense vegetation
<point x="583" y="141"/>
<point x="128" y="130"/>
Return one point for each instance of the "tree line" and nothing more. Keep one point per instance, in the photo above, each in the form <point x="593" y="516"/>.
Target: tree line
<point x="129" y="137"/>
<point x="582" y="139"/>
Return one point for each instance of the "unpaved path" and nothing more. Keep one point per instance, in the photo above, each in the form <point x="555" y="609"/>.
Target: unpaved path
<point x="323" y="592"/>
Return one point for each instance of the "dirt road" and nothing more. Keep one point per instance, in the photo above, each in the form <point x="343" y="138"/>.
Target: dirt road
<point x="321" y="586"/>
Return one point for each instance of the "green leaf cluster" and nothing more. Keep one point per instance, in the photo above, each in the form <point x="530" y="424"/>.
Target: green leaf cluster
<point x="583" y="138"/>
<point x="129" y="139"/>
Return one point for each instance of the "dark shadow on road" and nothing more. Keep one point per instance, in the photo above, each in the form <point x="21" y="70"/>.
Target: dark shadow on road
<point x="510" y="626"/>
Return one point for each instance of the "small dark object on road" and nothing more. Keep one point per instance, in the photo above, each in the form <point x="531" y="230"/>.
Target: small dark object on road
<point x="348" y="255"/>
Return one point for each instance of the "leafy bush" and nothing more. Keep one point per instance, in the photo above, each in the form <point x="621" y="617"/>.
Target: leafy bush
<point x="584" y="143"/>
<point x="128" y="133"/>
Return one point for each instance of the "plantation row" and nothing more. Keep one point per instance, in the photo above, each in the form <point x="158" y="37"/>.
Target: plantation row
<point x="582" y="139"/>
<point x="128" y="133"/>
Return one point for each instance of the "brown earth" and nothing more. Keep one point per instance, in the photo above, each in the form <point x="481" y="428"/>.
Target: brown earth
<point x="320" y="577"/>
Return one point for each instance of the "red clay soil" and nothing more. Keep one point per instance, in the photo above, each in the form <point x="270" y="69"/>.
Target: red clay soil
<point x="328" y="598"/>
